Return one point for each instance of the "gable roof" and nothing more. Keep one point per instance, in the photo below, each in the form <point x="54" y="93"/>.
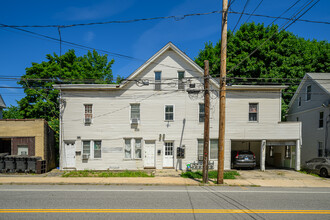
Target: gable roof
<point x="2" y="103"/>
<point x="321" y="79"/>
<point x="152" y="59"/>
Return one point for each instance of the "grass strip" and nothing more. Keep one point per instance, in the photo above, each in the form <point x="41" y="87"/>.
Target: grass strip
<point x="92" y="173"/>
<point x="212" y="174"/>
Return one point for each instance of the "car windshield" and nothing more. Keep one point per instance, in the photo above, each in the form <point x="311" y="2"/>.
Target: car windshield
<point x="245" y="152"/>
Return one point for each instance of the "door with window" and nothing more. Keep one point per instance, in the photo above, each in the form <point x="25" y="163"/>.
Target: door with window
<point x="149" y="154"/>
<point x="168" y="155"/>
<point x="70" y="158"/>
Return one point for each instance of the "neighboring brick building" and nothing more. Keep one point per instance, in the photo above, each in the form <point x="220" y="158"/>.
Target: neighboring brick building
<point x="32" y="137"/>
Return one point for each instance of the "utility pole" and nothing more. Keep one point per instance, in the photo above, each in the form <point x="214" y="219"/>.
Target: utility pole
<point x="206" y="122"/>
<point x="222" y="92"/>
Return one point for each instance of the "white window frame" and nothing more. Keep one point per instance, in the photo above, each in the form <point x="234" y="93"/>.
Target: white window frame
<point x="308" y="93"/>
<point x="91" y="148"/>
<point x="199" y="112"/>
<point x="88" y="113"/>
<point x="321" y="119"/>
<point x="165" y="112"/>
<point x="254" y="103"/>
<point x="23" y="146"/>
<point x="180" y="82"/>
<point x="133" y="148"/>
<point x="158" y="81"/>
<point x="130" y="112"/>
<point x="209" y="156"/>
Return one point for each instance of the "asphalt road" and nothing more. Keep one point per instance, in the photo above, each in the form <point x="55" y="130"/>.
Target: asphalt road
<point x="162" y="202"/>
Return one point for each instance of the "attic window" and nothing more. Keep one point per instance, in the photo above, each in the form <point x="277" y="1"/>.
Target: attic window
<point x="308" y="93"/>
<point x="158" y="80"/>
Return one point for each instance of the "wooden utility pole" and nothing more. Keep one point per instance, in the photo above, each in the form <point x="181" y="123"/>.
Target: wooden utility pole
<point x="222" y="92"/>
<point x="206" y="122"/>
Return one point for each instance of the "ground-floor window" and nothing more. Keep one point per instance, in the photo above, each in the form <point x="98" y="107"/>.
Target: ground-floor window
<point x="93" y="148"/>
<point x="133" y="148"/>
<point x="213" y="149"/>
<point x="320" y="149"/>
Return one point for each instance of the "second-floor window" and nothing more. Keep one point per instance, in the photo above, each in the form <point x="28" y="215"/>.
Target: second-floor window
<point x="253" y="112"/>
<point x="88" y="113"/>
<point x="169" y="112"/>
<point x="180" y="80"/>
<point x="321" y="116"/>
<point x="308" y="93"/>
<point x="299" y="101"/>
<point x="201" y="112"/>
<point x="135" y="112"/>
<point x="158" y="80"/>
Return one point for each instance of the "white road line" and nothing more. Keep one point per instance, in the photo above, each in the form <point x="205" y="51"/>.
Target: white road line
<point x="173" y="191"/>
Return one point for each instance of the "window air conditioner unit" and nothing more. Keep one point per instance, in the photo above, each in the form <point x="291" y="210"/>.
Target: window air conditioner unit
<point x="88" y="120"/>
<point x="200" y="157"/>
<point x="134" y="121"/>
<point x="85" y="156"/>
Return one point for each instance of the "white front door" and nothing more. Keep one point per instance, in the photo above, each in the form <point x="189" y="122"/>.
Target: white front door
<point x="149" y="154"/>
<point x="70" y="157"/>
<point x="168" y="155"/>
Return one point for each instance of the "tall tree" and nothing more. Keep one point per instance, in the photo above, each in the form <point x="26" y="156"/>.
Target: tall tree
<point x="285" y="56"/>
<point x="41" y="100"/>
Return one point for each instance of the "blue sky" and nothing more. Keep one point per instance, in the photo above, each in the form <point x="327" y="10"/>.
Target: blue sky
<point x="140" y="40"/>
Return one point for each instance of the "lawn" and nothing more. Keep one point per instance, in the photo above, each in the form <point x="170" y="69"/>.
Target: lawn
<point x="92" y="173"/>
<point x="212" y="174"/>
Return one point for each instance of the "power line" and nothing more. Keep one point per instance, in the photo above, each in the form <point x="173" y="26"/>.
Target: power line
<point x="276" y="33"/>
<point x="246" y="3"/>
<point x="175" y="17"/>
<point x="254" y="11"/>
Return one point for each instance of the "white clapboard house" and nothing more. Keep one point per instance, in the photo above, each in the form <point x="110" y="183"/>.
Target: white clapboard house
<point x="141" y="122"/>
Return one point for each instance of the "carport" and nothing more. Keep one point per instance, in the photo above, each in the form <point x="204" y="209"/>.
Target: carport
<point x="271" y="153"/>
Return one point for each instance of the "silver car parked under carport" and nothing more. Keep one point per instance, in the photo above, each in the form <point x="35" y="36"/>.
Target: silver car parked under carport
<point x="319" y="166"/>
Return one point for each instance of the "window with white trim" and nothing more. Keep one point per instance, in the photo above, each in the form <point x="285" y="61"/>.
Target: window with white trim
<point x="180" y="80"/>
<point x="158" y="80"/>
<point x="308" y="93"/>
<point x="92" y="148"/>
<point x="213" y="149"/>
<point x="201" y="112"/>
<point x="88" y="113"/>
<point x="253" y="111"/>
<point x="169" y="113"/>
<point x="133" y="148"/>
<point x="135" y="112"/>
<point x="320" y="149"/>
<point x="321" y="119"/>
<point x="22" y="150"/>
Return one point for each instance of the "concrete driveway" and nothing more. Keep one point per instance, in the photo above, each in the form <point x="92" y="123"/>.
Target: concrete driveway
<point x="278" y="177"/>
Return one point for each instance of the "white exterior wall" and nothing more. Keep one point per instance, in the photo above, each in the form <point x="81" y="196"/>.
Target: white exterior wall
<point x="111" y="117"/>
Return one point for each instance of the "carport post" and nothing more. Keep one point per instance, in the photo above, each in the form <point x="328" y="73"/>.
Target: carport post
<point x="262" y="155"/>
<point x="298" y="154"/>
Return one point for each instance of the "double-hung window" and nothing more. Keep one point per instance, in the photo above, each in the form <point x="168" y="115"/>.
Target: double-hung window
<point x="320" y="149"/>
<point x="169" y="113"/>
<point x="88" y="113"/>
<point x="158" y="80"/>
<point x="133" y="148"/>
<point x="253" y="112"/>
<point x="92" y="148"/>
<point x="180" y="80"/>
<point x="308" y="93"/>
<point x="201" y="112"/>
<point x="135" y="113"/>
<point x="213" y="149"/>
<point x="321" y="119"/>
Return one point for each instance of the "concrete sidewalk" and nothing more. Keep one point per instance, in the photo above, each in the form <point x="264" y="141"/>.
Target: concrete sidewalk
<point x="270" y="178"/>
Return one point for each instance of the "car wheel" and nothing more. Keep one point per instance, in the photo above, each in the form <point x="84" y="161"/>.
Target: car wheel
<point x="323" y="172"/>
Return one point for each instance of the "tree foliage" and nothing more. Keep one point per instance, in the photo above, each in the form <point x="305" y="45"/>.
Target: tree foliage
<point x="41" y="100"/>
<point x="284" y="58"/>
<point x="12" y="112"/>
